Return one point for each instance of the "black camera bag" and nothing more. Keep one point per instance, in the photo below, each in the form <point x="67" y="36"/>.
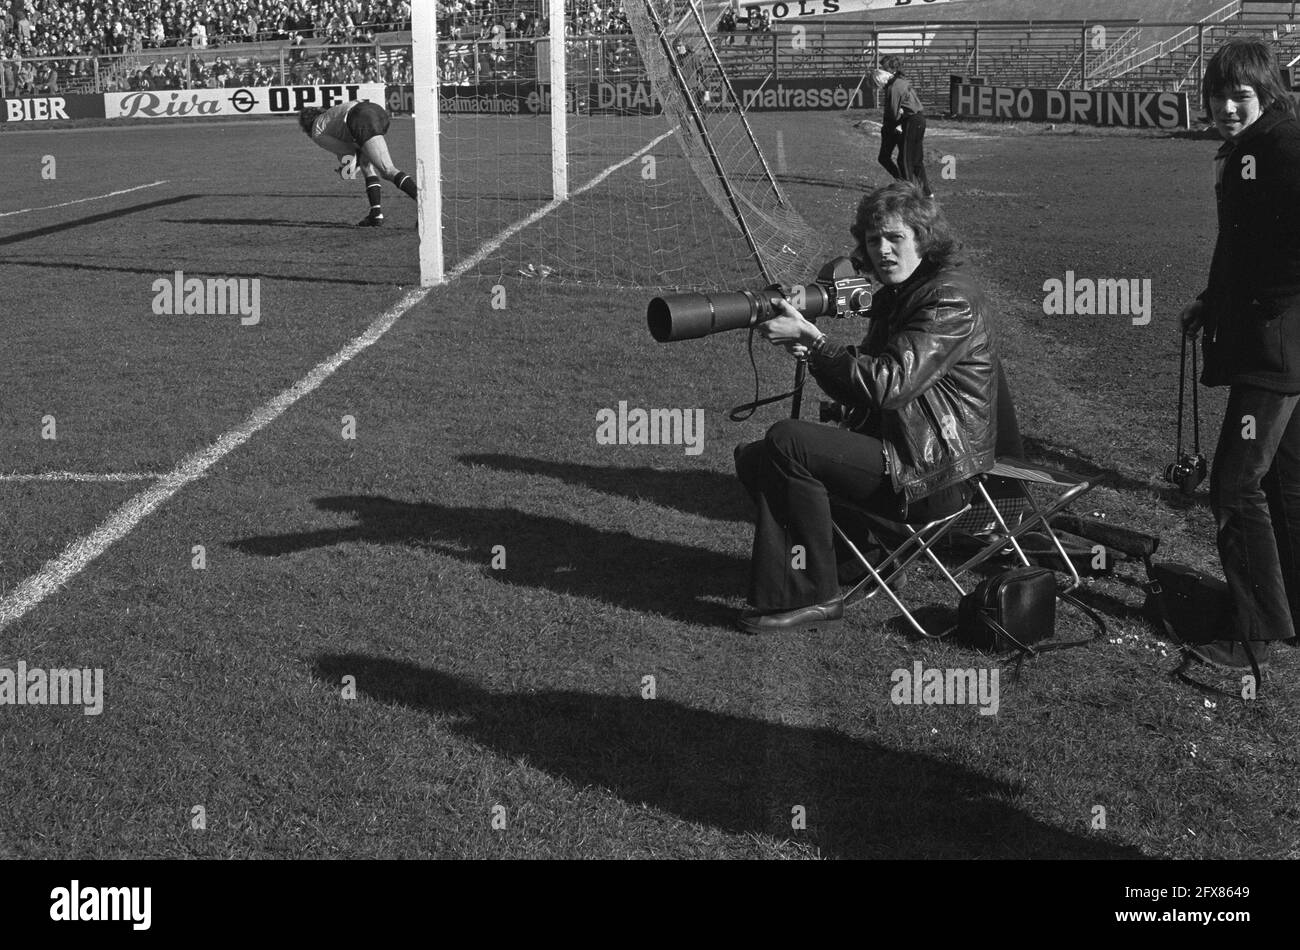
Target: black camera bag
<point x="1015" y="609"/>
<point x="1192" y="608"/>
<point x="1009" y="610"/>
<point x="1189" y="605"/>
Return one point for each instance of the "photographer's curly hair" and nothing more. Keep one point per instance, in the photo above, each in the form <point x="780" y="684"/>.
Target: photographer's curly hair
<point x="1247" y="61"/>
<point x="935" y="239"/>
<point x="307" y="117"/>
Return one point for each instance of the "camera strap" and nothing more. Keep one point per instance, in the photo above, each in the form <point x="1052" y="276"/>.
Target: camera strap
<point x="1182" y="399"/>
<point x="745" y="410"/>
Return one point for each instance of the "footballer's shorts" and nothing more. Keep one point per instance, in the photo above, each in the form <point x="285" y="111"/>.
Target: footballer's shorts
<point x="365" y="121"/>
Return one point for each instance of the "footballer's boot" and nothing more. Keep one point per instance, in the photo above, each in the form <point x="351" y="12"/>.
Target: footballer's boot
<point x="371" y="221"/>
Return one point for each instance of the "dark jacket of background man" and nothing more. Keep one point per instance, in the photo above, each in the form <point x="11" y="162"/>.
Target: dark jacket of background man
<point x="1252" y="325"/>
<point x="901" y="101"/>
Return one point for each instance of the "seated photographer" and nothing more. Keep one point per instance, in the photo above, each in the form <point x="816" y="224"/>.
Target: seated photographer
<point x="922" y="390"/>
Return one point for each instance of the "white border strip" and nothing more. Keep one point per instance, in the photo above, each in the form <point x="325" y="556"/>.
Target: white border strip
<point x="77" y="555"/>
<point x="64" y="204"/>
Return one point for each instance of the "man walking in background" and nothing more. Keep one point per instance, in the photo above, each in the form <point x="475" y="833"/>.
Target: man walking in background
<point x="904" y="125"/>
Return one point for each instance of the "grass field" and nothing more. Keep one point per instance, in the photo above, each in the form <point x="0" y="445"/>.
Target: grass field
<point x="478" y="686"/>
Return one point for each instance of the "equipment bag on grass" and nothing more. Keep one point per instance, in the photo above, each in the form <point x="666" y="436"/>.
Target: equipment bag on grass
<point x="1015" y="609"/>
<point x="1188" y="605"/>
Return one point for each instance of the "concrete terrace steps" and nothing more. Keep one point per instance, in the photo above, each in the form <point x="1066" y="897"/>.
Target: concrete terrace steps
<point x="1179" y="70"/>
<point x="1019" y="43"/>
<point x="1269" y="12"/>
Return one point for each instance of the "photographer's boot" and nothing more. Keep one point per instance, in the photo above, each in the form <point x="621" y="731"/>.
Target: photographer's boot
<point x="789" y="621"/>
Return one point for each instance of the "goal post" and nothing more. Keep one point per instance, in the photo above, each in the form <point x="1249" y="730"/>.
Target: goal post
<point x="428" y="158"/>
<point x="560" y="113"/>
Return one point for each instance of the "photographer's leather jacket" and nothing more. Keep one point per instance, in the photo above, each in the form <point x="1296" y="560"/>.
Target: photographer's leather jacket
<point x="926" y="376"/>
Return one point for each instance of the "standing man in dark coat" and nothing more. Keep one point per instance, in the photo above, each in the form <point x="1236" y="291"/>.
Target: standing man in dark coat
<point x="903" y="129"/>
<point x="1250" y="313"/>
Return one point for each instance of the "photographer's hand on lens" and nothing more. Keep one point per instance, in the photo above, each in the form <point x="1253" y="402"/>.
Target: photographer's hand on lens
<point x="790" y="330"/>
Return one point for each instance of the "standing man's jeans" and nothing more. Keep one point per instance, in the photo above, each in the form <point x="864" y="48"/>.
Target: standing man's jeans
<point x="911" y="153"/>
<point x="890" y="142"/>
<point x="1255" y="494"/>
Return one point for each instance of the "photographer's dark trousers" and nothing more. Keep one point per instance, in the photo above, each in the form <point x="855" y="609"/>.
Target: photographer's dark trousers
<point x="911" y="152"/>
<point x="1255" y="494"/>
<point x="789" y="475"/>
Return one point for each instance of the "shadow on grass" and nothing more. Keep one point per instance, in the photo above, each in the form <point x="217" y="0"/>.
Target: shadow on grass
<point x="709" y="494"/>
<point x="611" y="567"/>
<point x="99" y="218"/>
<point x="176" y="263"/>
<point x="852" y="183"/>
<point x="259" y="222"/>
<point x="742" y="776"/>
<point x="1070" y="459"/>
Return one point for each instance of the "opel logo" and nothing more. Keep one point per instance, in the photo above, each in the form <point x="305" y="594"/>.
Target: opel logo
<point x="243" y="101"/>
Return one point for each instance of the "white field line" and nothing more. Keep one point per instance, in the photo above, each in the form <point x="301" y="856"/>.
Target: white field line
<point x="64" y="204"/>
<point x="77" y="556"/>
<point x="81" y="477"/>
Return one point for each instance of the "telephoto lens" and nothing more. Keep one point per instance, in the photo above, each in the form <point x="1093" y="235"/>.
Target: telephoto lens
<point x="691" y="316"/>
<point x="839" y="290"/>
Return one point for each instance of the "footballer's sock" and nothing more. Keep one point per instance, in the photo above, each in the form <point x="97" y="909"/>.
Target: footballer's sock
<point x="404" y="182"/>
<point x="373" y="195"/>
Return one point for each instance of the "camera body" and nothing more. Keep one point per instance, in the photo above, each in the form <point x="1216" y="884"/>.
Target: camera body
<point x="830" y="411"/>
<point x="838" y="291"/>
<point x="1188" y="472"/>
<point x="851" y="292"/>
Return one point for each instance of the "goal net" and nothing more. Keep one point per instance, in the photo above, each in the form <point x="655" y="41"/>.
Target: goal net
<point x="666" y="184"/>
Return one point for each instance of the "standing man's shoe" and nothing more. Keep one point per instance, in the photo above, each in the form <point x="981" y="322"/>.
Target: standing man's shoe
<point x="1231" y="654"/>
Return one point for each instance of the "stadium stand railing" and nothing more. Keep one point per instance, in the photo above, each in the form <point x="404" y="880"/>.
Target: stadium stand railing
<point x="1167" y="53"/>
<point x="1180" y="69"/>
<point x="1042" y="54"/>
<point x="1118" y="49"/>
<point x="1019" y="53"/>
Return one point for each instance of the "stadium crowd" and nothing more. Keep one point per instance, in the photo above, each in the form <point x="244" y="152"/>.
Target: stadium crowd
<point x="35" y="28"/>
<point x="47" y="31"/>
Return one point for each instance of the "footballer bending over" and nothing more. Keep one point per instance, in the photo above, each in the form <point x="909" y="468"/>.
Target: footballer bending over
<point x="354" y="131"/>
